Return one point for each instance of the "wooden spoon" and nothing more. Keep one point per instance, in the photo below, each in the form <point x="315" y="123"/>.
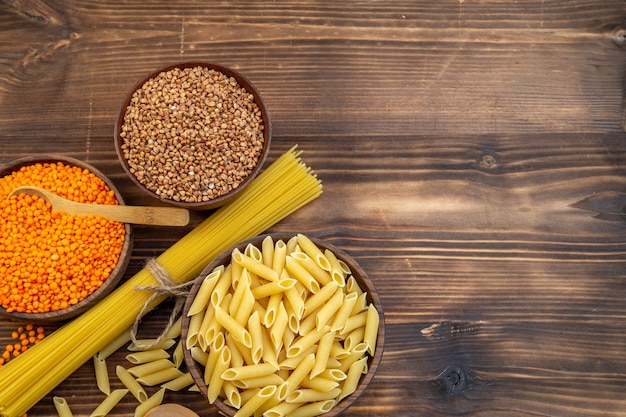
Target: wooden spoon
<point x="155" y="216"/>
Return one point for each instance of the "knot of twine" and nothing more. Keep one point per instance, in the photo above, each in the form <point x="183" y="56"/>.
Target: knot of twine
<point x="166" y="287"/>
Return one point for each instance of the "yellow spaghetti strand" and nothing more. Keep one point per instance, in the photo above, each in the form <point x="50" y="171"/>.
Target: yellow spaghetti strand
<point x="285" y="186"/>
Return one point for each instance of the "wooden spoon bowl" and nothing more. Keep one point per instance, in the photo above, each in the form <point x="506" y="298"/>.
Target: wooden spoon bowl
<point x="114" y="277"/>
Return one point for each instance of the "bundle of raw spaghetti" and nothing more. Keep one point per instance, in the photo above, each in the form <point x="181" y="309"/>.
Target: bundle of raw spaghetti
<point x="284" y="186"/>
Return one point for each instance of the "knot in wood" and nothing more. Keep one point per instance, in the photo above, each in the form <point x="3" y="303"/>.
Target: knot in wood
<point x="488" y="162"/>
<point x="453" y="380"/>
<point x="618" y="36"/>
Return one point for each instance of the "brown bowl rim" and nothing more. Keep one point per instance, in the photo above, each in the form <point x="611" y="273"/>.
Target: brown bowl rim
<point x="116" y="274"/>
<point x="359" y="275"/>
<point x="267" y="134"/>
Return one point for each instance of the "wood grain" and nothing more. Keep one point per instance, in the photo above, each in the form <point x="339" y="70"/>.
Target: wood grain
<point x="473" y="157"/>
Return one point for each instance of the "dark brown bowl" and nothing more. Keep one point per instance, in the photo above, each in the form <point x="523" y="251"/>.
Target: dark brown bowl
<point x="117" y="273"/>
<point x="218" y="200"/>
<point x="196" y="369"/>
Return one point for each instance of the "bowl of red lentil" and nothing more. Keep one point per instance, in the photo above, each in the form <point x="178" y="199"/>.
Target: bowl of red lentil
<point x="193" y="134"/>
<point x="54" y="266"/>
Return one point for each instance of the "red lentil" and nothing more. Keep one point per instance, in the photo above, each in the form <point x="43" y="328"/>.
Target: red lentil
<point x="26" y="336"/>
<point x="52" y="260"/>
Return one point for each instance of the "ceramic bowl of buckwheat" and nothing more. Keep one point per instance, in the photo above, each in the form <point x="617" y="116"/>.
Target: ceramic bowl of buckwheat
<point x="193" y="134"/>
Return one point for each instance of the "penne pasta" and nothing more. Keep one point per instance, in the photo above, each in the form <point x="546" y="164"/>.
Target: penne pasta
<point x="322" y="276"/>
<point x="299" y="272"/>
<point x="280" y="253"/>
<point x="313" y="251"/>
<point x="254" y="266"/>
<point x="344" y="312"/>
<point x="260" y="397"/>
<point x="194" y="327"/>
<point x="323" y="353"/>
<point x="305" y="342"/>
<point x="131" y="384"/>
<point x="328" y="310"/>
<point x="290" y="342"/>
<point x="232" y="394"/>
<point x="313" y="409"/>
<point x="102" y="375"/>
<point x="108" y="403"/>
<point x="352" y="378"/>
<point x="203" y="297"/>
<point x="155" y="400"/>
<point x="337" y="273"/>
<point x="296" y="377"/>
<point x="160" y="377"/>
<point x="114" y="345"/>
<point x="62" y="407"/>
<point x="274" y="287"/>
<point x="178" y="356"/>
<point x="311" y="395"/>
<point x="258" y="382"/>
<point x="150" y="367"/>
<point x="231" y="325"/>
<point x="281" y="410"/>
<point x="318" y="300"/>
<point x="138" y="358"/>
<point x="249" y="371"/>
<point x="372" y="324"/>
<point x="256" y="333"/>
<point x="215" y="383"/>
<point x="267" y="252"/>
<point x="179" y="383"/>
<point x="222" y="286"/>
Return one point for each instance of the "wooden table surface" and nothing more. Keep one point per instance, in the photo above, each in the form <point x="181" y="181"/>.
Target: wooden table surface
<point x="473" y="157"/>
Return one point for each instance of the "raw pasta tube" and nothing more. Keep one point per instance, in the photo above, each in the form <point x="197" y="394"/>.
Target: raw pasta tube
<point x="160" y="377"/>
<point x="108" y="403"/>
<point x="267" y="251"/>
<point x="281" y="409"/>
<point x="311" y="395"/>
<point x="313" y="409"/>
<point x="329" y="309"/>
<point x="371" y="329"/>
<point x="131" y="384"/>
<point x="280" y="254"/>
<point x="237" y="330"/>
<point x="311" y="249"/>
<point x="138" y="358"/>
<point x="256" y="401"/>
<point x="203" y="297"/>
<point x="299" y="272"/>
<point x="296" y="377"/>
<point x="256" y="333"/>
<point x="102" y="375"/>
<point x="255" y="267"/>
<point x="179" y="383"/>
<point x="249" y="371"/>
<point x="147" y="368"/>
<point x="155" y="400"/>
<point x="352" y="378"/>
<point x="62" y="407"/>
<point x="323" y="353"/>
<point x="322" y="276"/>
<point x="215" y="383"/>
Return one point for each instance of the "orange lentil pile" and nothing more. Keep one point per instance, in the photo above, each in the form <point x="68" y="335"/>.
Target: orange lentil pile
<point x="50" y="260"/>
<point x="23" y="338"/>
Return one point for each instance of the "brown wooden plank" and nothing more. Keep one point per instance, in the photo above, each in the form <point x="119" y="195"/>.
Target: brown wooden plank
<point x="473" y="158"/>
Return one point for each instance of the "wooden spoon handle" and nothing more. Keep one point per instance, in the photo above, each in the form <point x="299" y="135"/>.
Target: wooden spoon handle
<point x="156" y="216"/>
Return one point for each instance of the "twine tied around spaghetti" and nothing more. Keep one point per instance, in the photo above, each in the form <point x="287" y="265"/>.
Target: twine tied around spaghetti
<point x="166" y="287"/>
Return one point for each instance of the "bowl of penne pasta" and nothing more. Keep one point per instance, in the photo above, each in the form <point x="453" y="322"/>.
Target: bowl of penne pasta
<point x="280" y="323"/>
